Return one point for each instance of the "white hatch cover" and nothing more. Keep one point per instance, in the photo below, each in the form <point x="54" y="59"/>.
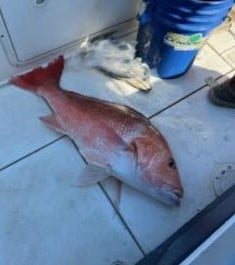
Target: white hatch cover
<point x="34" y="27"/>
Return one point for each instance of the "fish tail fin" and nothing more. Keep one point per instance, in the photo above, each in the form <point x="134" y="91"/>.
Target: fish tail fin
<point x="40" y="78"/>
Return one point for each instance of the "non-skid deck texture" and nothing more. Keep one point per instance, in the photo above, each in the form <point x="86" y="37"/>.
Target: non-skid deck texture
<point x="46" y="219"/>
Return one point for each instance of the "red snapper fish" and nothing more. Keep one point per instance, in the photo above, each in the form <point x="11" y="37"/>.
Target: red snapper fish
<point x="115" y="140"/>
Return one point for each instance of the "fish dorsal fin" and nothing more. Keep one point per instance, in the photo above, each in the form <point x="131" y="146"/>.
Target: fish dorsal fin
<point x="128" y="110"/>
<point x="121" y="107"/>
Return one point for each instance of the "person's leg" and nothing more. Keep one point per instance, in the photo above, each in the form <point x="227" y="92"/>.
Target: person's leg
<point x="224" y="94"/>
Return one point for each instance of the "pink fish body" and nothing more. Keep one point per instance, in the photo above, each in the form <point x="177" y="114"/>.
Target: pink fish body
<point x="113" y="138"/>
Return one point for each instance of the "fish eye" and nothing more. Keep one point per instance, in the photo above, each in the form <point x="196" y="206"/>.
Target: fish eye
<point x="171" y="162"/>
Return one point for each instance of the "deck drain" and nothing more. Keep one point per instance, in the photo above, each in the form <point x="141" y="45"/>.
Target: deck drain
<point x="40" y="2"/>
<point x="118" y="262"/>
<point x="224" y="177"/>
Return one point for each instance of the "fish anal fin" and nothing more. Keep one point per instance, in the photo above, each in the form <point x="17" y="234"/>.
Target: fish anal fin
<point x="52" y="122"/>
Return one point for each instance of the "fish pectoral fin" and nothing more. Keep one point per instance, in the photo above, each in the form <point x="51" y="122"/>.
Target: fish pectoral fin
<point x="91" y="174"/>
<point x="52" y="122"/>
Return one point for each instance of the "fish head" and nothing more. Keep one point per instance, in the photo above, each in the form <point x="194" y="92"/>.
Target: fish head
<point x="157" y="170"/>
<point x="165" y="179"/>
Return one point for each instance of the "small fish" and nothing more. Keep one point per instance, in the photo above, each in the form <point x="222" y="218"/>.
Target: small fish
<point x="115" y="140"/>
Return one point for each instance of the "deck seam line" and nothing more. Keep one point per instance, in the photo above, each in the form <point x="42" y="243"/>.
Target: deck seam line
<point x="122" y="219"/>
<point x="31" y="153"/>
<point x="186" y="96"/>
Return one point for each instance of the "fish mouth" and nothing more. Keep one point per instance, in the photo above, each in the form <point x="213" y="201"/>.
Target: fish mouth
<point x="173" y="194"/>
<point x="178" y="192"/>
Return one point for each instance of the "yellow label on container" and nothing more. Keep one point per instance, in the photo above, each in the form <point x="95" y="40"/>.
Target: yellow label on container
<point x="184" y="42"/>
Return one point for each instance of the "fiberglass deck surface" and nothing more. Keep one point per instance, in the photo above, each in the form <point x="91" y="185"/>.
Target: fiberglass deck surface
<point x="46" y="219"/>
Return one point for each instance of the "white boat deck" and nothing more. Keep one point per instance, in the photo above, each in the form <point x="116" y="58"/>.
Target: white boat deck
<point x="46" y="219"/>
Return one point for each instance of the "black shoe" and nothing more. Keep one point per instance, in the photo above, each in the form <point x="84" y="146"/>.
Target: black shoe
<point x="224" y="94"/>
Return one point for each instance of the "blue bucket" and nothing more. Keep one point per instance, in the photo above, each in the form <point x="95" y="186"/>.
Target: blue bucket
<point x="179" y="29"/>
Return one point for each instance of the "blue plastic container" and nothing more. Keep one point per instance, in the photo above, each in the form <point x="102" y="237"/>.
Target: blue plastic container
<point x="179" y="29"/>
